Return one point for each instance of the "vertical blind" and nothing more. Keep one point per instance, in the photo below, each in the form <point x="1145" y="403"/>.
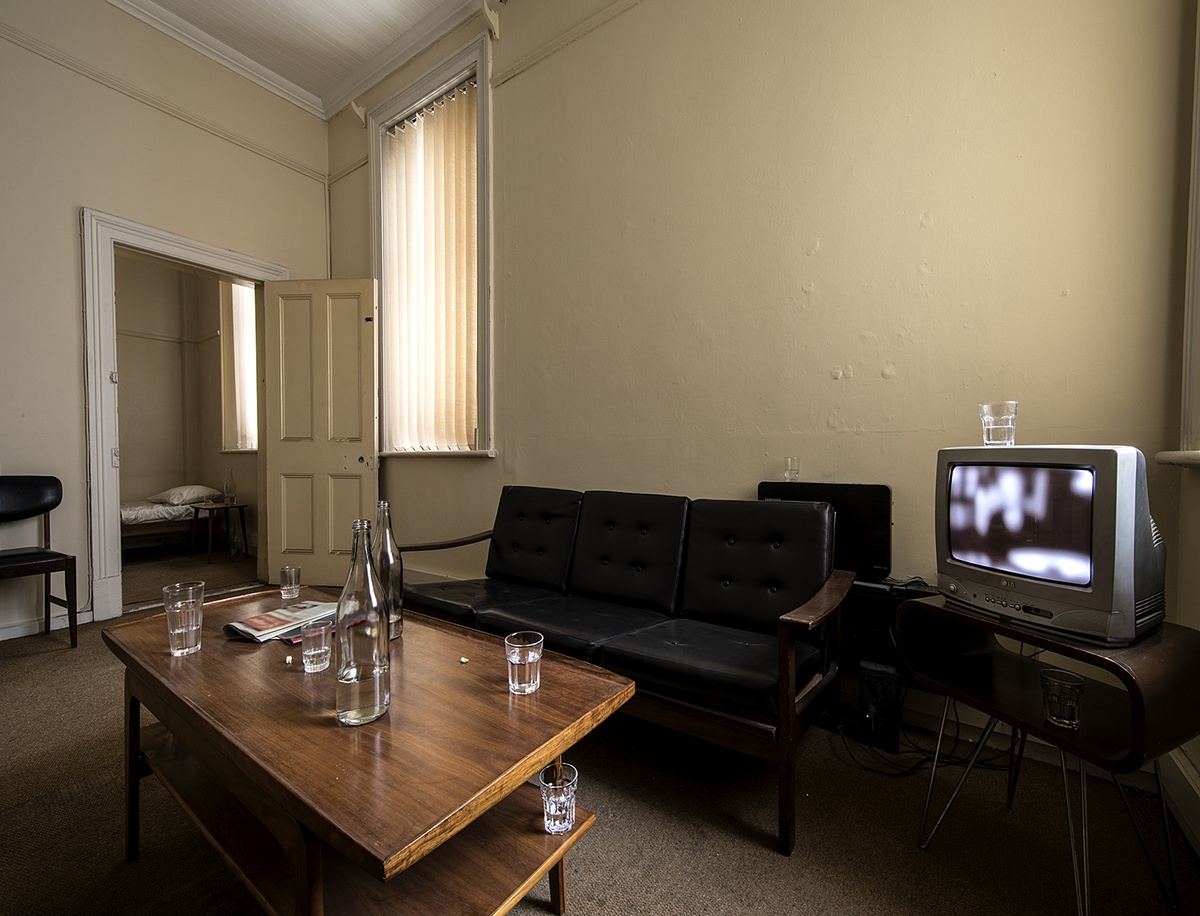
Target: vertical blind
<point x="245" y="385"/>
<point x="429" y="321"/>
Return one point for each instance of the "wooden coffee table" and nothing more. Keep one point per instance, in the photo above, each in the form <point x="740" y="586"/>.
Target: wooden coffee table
<point x="428" y="809"/>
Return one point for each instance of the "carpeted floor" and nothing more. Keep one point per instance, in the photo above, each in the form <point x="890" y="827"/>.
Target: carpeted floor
<point x="145" y="570"/>
<point x="683" y="828"/>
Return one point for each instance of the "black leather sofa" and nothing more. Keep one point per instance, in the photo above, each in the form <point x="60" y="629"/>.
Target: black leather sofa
<point x="724" y="612"/>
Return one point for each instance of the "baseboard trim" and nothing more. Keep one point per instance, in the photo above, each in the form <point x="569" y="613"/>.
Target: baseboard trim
<point x="34" y="627"/>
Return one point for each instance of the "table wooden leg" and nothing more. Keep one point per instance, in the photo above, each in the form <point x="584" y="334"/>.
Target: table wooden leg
<point x="133" y="770"/>
<point x="308" y="877"/>
<point x="558" y="887"/>
<point x="210" y="523"/>
<point x="192" y="542"/>
<point x="245" y="538"/>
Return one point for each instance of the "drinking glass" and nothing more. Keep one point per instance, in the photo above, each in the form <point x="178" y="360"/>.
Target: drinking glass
<point x="289" y="582"/>
<point x="999" y="422"/>
<point x="558" y="784"/>
<point x="524" y="652"/>
<point x="315" y="645"/>
<point x="184" y="606"/>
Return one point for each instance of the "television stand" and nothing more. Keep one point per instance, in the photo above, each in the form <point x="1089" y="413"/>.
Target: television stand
<point x="958" y="653"/>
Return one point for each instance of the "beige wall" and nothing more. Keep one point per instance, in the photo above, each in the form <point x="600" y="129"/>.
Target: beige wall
<point x="726" y="233"/>
<point x="101" y="111"/>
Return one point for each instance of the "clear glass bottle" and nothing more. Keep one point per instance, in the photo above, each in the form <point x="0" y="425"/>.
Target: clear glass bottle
<point x="230" y="488"/>
<point x="390" y="567"/>
<point x="363" y="675"/>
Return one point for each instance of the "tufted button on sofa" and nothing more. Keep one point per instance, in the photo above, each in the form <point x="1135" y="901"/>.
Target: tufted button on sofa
<point x="723" y="611"/>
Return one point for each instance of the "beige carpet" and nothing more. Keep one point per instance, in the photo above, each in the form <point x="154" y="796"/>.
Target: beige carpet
<point x="682" y="828"/>
<point x="145" y="571"/>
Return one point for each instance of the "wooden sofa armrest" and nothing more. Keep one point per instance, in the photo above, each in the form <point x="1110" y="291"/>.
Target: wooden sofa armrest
<point x="444" y="545"/>
<point x="821" y="606"/>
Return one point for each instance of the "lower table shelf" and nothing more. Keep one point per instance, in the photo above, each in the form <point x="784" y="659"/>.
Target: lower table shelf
<point x="486" y="868"/>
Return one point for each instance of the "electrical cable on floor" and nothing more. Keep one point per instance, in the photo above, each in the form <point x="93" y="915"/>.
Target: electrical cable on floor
<point x="996" y="760"/>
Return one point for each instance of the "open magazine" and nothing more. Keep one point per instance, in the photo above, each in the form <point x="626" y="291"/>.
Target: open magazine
<point x="284" y="623"/>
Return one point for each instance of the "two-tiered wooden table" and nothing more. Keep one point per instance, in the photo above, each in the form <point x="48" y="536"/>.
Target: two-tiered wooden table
<point x="428" y="809"/>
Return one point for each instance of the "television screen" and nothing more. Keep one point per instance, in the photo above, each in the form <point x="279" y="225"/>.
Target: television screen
<point x="1029" y="520"/>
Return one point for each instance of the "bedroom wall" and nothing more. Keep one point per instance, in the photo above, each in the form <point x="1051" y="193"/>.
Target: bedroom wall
<point x="101" y="111"/>
<point x="212" y="461"/>
<point x="151" y="360"/>
<point x="727" y="233"/>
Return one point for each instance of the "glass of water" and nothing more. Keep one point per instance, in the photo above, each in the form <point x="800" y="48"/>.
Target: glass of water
<point x="524" y="652"/>
<point x="999" y="422"/>
<point x="315" y="645"/>
<point x="184" y="605"/>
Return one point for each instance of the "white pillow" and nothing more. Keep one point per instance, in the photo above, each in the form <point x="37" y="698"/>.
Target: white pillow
<point x="184" y="496"/>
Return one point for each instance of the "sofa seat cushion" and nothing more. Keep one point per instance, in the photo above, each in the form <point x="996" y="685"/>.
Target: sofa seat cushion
<point x="570" y="624"/>
<point x="458" y="600"/>
<point x="707" y="664"/>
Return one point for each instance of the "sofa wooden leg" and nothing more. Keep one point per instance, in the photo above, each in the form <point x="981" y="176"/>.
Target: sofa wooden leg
<point x="787" y="803"/>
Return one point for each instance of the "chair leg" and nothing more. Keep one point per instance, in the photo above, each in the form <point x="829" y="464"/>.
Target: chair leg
<point x="46" y="600"/>
<point x="72" y="603"/>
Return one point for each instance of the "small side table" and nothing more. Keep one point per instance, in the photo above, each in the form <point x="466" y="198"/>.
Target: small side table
<point x="957" y="652"/>
<point x="211" y="509"/>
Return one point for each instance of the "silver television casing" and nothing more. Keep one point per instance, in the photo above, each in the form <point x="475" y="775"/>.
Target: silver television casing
<point x="1126" y="598"/>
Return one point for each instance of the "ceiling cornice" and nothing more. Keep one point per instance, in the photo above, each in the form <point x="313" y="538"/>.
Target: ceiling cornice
<point x="399" y="52"/>
<point x="449" y="15"/>
<point x="169" y="24"/>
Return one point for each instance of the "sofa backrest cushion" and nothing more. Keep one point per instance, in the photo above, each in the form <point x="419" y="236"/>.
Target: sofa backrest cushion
<point x="749" y="562"/>
<point x="629" y="548"/>
<point x="533" y="535"/>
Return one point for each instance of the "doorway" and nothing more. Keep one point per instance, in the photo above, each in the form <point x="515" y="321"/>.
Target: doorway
<point x="175" y="333"/>
<point x="103" y="234"/>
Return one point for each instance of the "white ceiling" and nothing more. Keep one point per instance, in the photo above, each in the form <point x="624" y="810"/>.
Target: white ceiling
<point x="319" y="54"/>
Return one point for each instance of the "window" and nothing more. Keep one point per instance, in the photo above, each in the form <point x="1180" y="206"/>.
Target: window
<point x="429" y="171"/>
<point x="239" y="383"/>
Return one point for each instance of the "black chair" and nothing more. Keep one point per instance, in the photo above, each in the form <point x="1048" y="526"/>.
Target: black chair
<point x="24" y="496"/>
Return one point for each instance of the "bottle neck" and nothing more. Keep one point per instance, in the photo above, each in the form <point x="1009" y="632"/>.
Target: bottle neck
<point x="361" y="541"/>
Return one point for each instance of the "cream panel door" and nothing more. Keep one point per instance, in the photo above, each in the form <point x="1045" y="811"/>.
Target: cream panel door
<point x="321" y="423"/>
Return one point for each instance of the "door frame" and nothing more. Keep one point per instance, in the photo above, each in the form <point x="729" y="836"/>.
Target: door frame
<point x="101" y="232"/>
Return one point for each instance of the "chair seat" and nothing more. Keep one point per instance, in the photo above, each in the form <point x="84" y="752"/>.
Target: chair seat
<point x="713" y="665"/>
<point x="26" y="496"/>
<point x="570" y="624"/>
<point x="28" y="561"/>
<point x="458" y="600"/>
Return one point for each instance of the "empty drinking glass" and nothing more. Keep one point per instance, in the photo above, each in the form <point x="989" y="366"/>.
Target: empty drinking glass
<point x="558" y="784"/>
<point x="289" y="582"/>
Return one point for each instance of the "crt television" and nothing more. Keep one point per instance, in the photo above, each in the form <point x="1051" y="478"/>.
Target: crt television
<point x="1057" y="537"/>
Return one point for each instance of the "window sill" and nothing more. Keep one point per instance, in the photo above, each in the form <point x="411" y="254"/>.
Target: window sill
<point x="1189" y="458"/>
<point x="473" y="453"/>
